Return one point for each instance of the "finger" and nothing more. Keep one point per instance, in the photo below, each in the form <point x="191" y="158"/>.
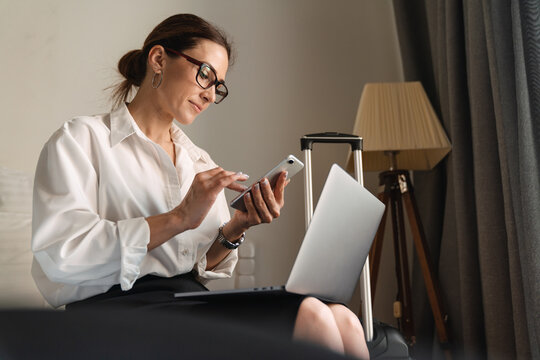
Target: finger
<point x="207" y="178"/>
<point x="260" y="204"/>
<point x="253" y="215"/>
<point x="219" y="171"/>
<point x="209" y="173"/>
<point x="239" y="187"/>
<point x="269" y="199"/>
<point x="279" y="189"/>
<point x="228" y="179"/>
<point x="243" y="177"/>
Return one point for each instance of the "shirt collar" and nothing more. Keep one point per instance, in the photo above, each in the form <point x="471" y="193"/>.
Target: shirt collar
<point x="181" y="139"/>
<point x="123" y="125"/>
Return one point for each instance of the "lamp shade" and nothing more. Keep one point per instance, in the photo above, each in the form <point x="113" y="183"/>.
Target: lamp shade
<point x="398" y="117"/>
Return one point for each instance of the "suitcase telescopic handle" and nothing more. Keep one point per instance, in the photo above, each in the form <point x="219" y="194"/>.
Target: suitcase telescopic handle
<point x="306" y="142"/>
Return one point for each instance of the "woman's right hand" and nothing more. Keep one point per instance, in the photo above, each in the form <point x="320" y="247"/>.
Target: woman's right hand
<point x="202" y="194"/>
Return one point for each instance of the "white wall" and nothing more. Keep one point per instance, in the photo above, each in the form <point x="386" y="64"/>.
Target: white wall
<point x="300" y="69"/>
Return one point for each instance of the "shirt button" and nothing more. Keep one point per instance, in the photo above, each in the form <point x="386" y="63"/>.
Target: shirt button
<point x="184" y="252"/>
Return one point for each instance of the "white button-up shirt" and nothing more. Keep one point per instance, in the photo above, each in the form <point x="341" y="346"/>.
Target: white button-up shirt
<point x="97" y="179"/>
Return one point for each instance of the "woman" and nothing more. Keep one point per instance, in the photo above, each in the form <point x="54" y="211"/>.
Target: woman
<point x="128" y="210"/>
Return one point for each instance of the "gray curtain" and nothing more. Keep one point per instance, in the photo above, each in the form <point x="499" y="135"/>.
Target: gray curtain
<point x="480" y="64"/>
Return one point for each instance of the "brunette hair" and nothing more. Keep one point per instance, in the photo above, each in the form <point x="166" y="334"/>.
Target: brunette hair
<point x="179" y="32"/>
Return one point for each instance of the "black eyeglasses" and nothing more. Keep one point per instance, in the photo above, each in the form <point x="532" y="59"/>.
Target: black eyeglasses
<point x="206" y="76"/>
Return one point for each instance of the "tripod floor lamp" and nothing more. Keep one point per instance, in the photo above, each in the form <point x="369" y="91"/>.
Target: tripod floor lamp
<point x="401" y="132"/>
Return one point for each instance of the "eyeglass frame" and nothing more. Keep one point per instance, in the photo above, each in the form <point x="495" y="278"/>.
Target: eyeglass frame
<point x="200" y="64"/>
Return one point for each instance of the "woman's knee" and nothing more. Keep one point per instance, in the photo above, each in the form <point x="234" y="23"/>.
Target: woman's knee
<point x="314" y="311"/>
<point x="315" y="322"/>
<point x="346" y="319"/>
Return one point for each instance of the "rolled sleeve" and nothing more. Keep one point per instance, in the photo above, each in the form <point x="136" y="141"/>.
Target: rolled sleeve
<point x="222" y="270"/>
<point x="209" y="231"/>
<point x="134" y="235"/>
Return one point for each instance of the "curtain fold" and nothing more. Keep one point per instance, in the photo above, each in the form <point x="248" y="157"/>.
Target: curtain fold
<point x="526" y="195"/>
<point x="480" y="62"/>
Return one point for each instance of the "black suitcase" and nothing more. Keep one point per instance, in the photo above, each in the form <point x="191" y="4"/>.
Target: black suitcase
<point x="387" y="343"/>
<point x="384" y="341"/>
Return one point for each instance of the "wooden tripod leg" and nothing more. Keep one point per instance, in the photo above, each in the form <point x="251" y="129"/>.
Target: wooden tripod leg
<point x="406" y="305"/>
<point x="376" y="247"/>
<point x="426" y="265"/>
<point x="398" y="313"/>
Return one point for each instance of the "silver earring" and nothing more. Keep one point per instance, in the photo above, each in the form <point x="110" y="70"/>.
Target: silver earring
<point x="154" y="85"/>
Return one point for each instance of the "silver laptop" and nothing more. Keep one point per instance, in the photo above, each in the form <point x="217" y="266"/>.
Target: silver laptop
<point x="334" y="249"/>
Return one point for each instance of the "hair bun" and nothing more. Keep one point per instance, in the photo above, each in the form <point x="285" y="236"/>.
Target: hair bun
<point x="133" y="67"/>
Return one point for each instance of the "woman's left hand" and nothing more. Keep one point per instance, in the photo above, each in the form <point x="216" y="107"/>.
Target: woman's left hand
<point x="263" y="205"/>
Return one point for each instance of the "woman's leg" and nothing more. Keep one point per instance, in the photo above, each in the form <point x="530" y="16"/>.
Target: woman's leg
<point x="315" y="323"/>
<point x="333" y="326"/>
<point x="352" y="333"/>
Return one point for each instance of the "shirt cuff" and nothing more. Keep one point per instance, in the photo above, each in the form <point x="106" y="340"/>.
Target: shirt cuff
<point x="222" y="270"/>
<point x="134" y="235"/>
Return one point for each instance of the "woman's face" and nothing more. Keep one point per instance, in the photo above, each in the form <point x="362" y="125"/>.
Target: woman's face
<point x="180" y="95"/>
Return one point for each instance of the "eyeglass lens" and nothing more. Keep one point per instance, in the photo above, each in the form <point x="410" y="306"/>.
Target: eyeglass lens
<point x="206" y="77"/>
<point x="221" y="93"/>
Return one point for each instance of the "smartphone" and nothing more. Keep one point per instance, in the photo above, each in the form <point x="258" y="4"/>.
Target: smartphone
<point x="290" y="164"/>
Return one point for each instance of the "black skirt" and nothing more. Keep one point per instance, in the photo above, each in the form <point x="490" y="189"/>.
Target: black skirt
<point x="276" y="313"/>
